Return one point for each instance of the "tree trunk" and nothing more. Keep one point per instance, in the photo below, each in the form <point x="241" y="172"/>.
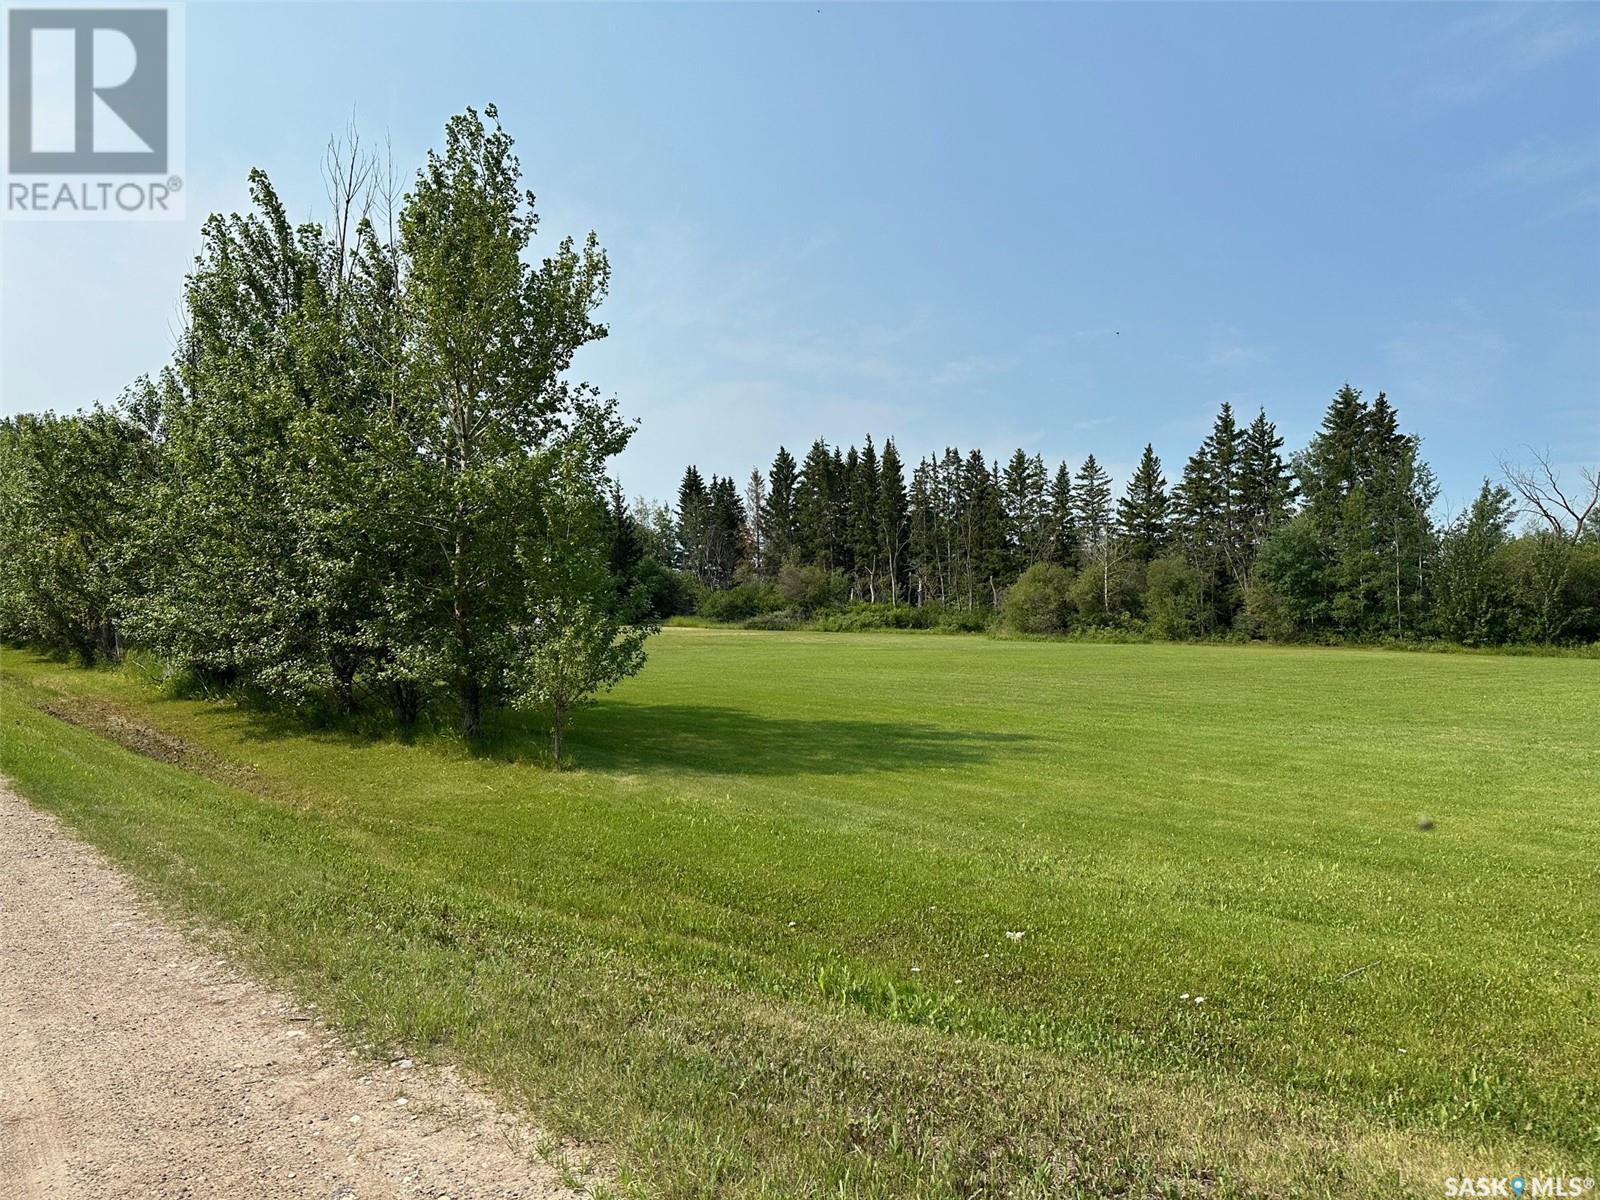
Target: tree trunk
<point x="468" y="689"/>
<point x="344" y="686"/>
<point x="110" y="641"/>
<point x="470" y="693"/>
<point x="405" y="702"/>
<point x="558" y="720"/>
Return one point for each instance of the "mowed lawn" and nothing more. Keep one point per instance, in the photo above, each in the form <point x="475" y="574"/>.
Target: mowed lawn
<point x="926" y="915"/>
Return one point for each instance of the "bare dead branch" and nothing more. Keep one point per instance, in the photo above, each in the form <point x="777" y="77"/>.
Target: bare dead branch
<point x="1544" y="496"/>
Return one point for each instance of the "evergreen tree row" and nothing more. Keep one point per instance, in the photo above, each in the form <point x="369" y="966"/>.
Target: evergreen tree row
<point x="1338" y="541"/>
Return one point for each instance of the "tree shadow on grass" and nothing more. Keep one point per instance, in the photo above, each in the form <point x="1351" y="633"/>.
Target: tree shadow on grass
<point x="614" y="736"/>
<point x="719" y="740"/>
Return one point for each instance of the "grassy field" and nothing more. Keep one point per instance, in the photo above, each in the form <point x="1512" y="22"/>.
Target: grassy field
<point x="764" y="940"/>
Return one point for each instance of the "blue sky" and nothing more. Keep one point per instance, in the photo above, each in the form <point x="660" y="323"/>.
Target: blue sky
<point x="1072" y="228"/>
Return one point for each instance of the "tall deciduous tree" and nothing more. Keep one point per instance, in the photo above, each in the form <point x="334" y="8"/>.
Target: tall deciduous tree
<point x="484" y="399"/>
<point x="1470" y="601"/>
<point x="70" y="490"/>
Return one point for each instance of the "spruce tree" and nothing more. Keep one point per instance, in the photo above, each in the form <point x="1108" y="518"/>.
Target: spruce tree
<point x="1329" y="467"/>
<point x="838" y="511"/>
<point x="1063" y="519"/>
<point x="725" y="532"/>
<point x="814" y="507"/>
<point x="923" y="541"/>
<point x="1092" y="502"/>
<point x="1367" y="500"/>
<point x="1221" y="451"/>
<point x="781" y="525"/>
<point x="984" y="531"/>
<point x="1023" y="494"/>
<point x="1142" y="512"/>
<point x="862" y="519"/>
<point x="693" y="523"/>
<point x="1199" y="514"/>
<point x="1266" y="487"/>
<point x="755" y="514"/>
<point x="892" y="526"/>
<point x="626" y="542"/>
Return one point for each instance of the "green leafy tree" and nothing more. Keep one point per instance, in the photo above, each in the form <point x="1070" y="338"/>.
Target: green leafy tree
<point x="485" y="403"/>
<point x="1567" y="514"/>
<point x="70" y="489"/>
<point x="1175" y="601"/>
<point x="1293" y="572"/>
<point x="1470" y="601"/>
<point x="1040" y="601"/>
<point x="576" y="636"/>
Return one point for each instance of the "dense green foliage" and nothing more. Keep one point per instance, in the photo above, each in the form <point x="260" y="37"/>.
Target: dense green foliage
<point x="365" y="478"/>
<point x="1339" y="542"/>
<point x="70" y="500"/>
<point x="757" y="945"/>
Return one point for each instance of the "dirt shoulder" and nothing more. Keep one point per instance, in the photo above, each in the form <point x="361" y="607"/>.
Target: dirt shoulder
<point x="132" y="1063"/>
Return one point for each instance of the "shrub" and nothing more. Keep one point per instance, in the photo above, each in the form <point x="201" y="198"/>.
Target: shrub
<point x="1173" y="598"/>
<point x="738" y="603"/>
<point x="775" y="621"/>
<point x="964" y="620"/>
<point x="809" y="588"/>
<point x="860" y="617"/>
<point x="1291" y="565"/>
<point x="668" y="593"/>
<point x="1040" y="601"/>
<point x="1106" y="596"/>
<point x="1266" y="616"/>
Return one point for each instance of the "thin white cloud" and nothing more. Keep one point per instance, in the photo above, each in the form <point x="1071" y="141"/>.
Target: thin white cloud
<point x="1552" y="180"/>
<point x="1452" y="366"/>
<point x="1491" y="49"/>
<point x="1228" y="348"/>
<point x="973" y="367"/>
<point x="1232" y="354"/>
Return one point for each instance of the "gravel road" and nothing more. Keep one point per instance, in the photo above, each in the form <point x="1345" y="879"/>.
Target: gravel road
<point x="135" y="1065"/>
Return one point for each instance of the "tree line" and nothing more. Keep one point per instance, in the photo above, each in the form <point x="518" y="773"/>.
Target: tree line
<point x="1338" y="541"/>
<point x="365" y="476"/>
